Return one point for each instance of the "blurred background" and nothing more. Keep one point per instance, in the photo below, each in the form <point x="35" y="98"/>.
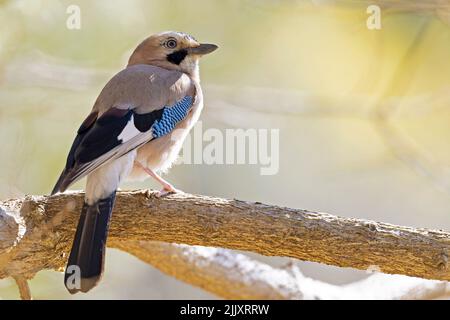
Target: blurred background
<point x="364" y="115"/>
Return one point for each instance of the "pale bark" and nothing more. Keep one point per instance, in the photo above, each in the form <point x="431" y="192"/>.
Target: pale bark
<point x="233" y="275"/>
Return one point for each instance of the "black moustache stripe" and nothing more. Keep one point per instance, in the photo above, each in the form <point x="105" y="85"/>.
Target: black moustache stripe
<point x="177" y="57"/>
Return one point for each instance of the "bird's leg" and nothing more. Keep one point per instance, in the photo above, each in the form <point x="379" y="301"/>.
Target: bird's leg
<point x="167" y="187"/>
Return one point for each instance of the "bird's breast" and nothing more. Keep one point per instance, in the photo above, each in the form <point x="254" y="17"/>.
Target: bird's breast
<point x="159" y="154"/>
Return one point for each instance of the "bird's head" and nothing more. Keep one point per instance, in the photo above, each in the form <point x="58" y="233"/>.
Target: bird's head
<point x="171" y="50"/>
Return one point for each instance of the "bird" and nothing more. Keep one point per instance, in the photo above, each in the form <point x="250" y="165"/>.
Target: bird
<point x="136" y="129"/>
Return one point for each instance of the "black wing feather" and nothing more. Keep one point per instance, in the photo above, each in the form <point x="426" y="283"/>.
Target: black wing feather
<point x="102" y="137"/>
<point x="98" y="137"/>
<point x="70" y="163"/>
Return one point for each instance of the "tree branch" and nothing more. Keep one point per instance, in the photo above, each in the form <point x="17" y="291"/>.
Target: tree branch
<point x="219" y="271"/>
<point x="233" y="275"/>
<point x="36" y="233"/>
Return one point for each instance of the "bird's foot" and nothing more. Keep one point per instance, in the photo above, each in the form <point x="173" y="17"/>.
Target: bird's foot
<point x="167" y="187"/>
<point x="166" y="190"/>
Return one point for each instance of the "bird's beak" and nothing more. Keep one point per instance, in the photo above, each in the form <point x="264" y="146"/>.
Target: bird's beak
<point x="203" y="48"/>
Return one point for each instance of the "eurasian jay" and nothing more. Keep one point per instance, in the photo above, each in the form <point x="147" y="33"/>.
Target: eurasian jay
<point x="136" y="128"/>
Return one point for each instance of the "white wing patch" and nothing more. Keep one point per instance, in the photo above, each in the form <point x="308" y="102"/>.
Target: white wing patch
<point x="129" y="132"/>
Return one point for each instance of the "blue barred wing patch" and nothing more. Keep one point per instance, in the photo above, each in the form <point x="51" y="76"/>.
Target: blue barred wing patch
<point x="171" y="116"/>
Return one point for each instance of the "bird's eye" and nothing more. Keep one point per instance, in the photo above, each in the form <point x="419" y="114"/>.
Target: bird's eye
<point x="171" y="43"/>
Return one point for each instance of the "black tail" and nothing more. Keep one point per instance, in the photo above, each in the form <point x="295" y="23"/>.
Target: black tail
<point x="85" y="266"/>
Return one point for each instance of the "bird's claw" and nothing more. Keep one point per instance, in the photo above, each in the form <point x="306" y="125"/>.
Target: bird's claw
<point x="166" y="190"/>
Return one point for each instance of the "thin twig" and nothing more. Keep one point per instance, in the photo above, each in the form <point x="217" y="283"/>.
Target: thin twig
<point x="24" y="288"/>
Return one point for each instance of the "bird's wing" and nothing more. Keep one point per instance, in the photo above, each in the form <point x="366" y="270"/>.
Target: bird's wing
<point x="145" y="103"/>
